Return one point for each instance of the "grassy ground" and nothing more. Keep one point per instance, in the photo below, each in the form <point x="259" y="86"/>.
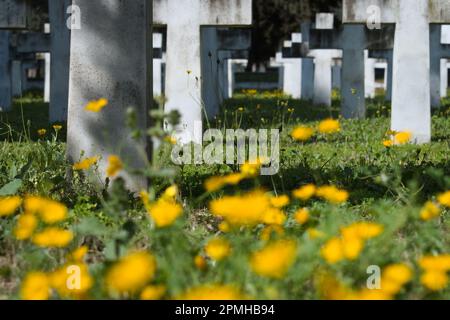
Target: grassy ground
<point x="388" y="186"/>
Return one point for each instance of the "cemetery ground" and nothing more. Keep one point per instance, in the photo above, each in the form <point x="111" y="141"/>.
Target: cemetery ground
<point x="344" y="203"/>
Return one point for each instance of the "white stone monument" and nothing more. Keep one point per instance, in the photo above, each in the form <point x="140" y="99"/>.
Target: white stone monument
<point x="411" y="101"/>
<point x="158" y="64"/>
<point x="111" y="57"/>
<point x="184" y="19"/>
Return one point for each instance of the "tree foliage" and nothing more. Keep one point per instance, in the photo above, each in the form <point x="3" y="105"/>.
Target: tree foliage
<point x="275" y="20"/>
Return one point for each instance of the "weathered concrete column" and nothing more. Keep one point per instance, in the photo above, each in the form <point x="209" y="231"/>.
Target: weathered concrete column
<point x="183" y="73"/>
<point x="47" y="69"/>
<point x="111" y="57"/>
<point x="323" y="60"/>
<point x="157" y="63"/>
<point x="5" y="71"/>
<point x="16" y="78"/>
<point x="411" y="97"/>
<point x="292" y="75"/>
<point x="444" y="77"/>
<point x="369" y="77"/>
<point x="60" y="59"/>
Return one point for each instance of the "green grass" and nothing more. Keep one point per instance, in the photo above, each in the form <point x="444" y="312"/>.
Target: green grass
<point x="386" y="185"/>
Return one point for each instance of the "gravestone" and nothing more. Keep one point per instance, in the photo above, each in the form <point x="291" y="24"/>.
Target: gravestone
<point x="214" y="41"/>
<point x="60" y="59"/>
<point x="158" y="64"/>
<point x="388" y="56"/>
<point x="226" y="70"/>
<point x="411" y="101"/>
<point x="47" y="56"/>
<point x="292" y="69"/>
<point x="111" y="57"/>
<point x="439" y="52"/>
<point x="183" y="72"/>
<point x="444" y="77"/>
<point x="336" y="73"/>
<point x="13" y="14"/>
<point x="369" y="76"/>
<point x="297" y="50"/>
<point x="5" y="71"/>
<point x="16" y="78"/>
<point x="353" y="40"/>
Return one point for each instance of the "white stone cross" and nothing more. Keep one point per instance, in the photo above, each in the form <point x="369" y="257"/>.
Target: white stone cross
<point x="440" y="52"/>
<point x="411" y="101"/>
<point x="184" y="18"/>
<point x="111" y="57"/>
<point x="158" y="63"/>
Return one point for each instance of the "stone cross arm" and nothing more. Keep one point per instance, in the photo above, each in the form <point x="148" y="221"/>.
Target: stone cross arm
<point x="31" y="42"/>
<point x="352" y="37"/>
<point x="360" y="11"/>
<point x="205" y="12"/>
<point x="13" y="14"/>
<point x="234" y="39"/>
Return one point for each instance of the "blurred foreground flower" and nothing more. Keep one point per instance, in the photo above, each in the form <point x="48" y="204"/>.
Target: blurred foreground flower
<point x="96" y="105"/>
<point x="131" y="273"/>
<point x="302" y="133"/>
<point x="115" y="165"/>
<point x="85" y="164"/>
<point x="9" y="205"/>
<point x="329" y="126"/>
<point x="275" y="259"/>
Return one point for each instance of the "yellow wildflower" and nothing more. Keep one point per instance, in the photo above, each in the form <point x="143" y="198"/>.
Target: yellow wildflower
<point x="329" y="126"/>
<point x="50" y="211"/>
<point x="212" y="292"/>
<point x="224" y="227"/>
<point x="164" y="213"/>
<point x="302" y="133"/>
<point x="35" y="286"/>
<point x="394" y="277"/>
<point x="61" y="278"/>
<point x="200" y="262"/>
<point x="9" y="205"/>
<point x="153" y="293"/>
<point x="444" y="199"/>
<point x="214" y="184"/>
<point x="280" y="201"/>
<point x="402" y="138"/>
<point x="362" y="230"/>
<point x="305" y="193"/>
<point x="53" y="238"/>
<point x="131" y="273"/>
<point x="430" y="211"/>
<point x="315" y="234"/>
<point x="251" y="169"/>
<point x="244" y="210"/>
<point x="26" y="224"/>
<point x="57" y="127"/>
<point x="171" y="140"/>
<point x="332" y="194"/>
<point x="233" y="179"/>
<point x="268" y="231"/>
<point x="115" y="165"/>
<point x="274" y="216"/>
<point x="170" y="193"/>
<point x="434" y="280"/>
<point x="218" y="249"/>
<point x="275" y="259"/>
<point x="78" y="254"/>
<point x="436" y="263"/>
<point x="96" y="105"/>
<point x="388" y="143"/>
<point x="42" y="132"/>
<point x="352" y="247"/>
<point x="333" y="251"/>
<point x="302" y="216"/>
<point x="85" y="164"/>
